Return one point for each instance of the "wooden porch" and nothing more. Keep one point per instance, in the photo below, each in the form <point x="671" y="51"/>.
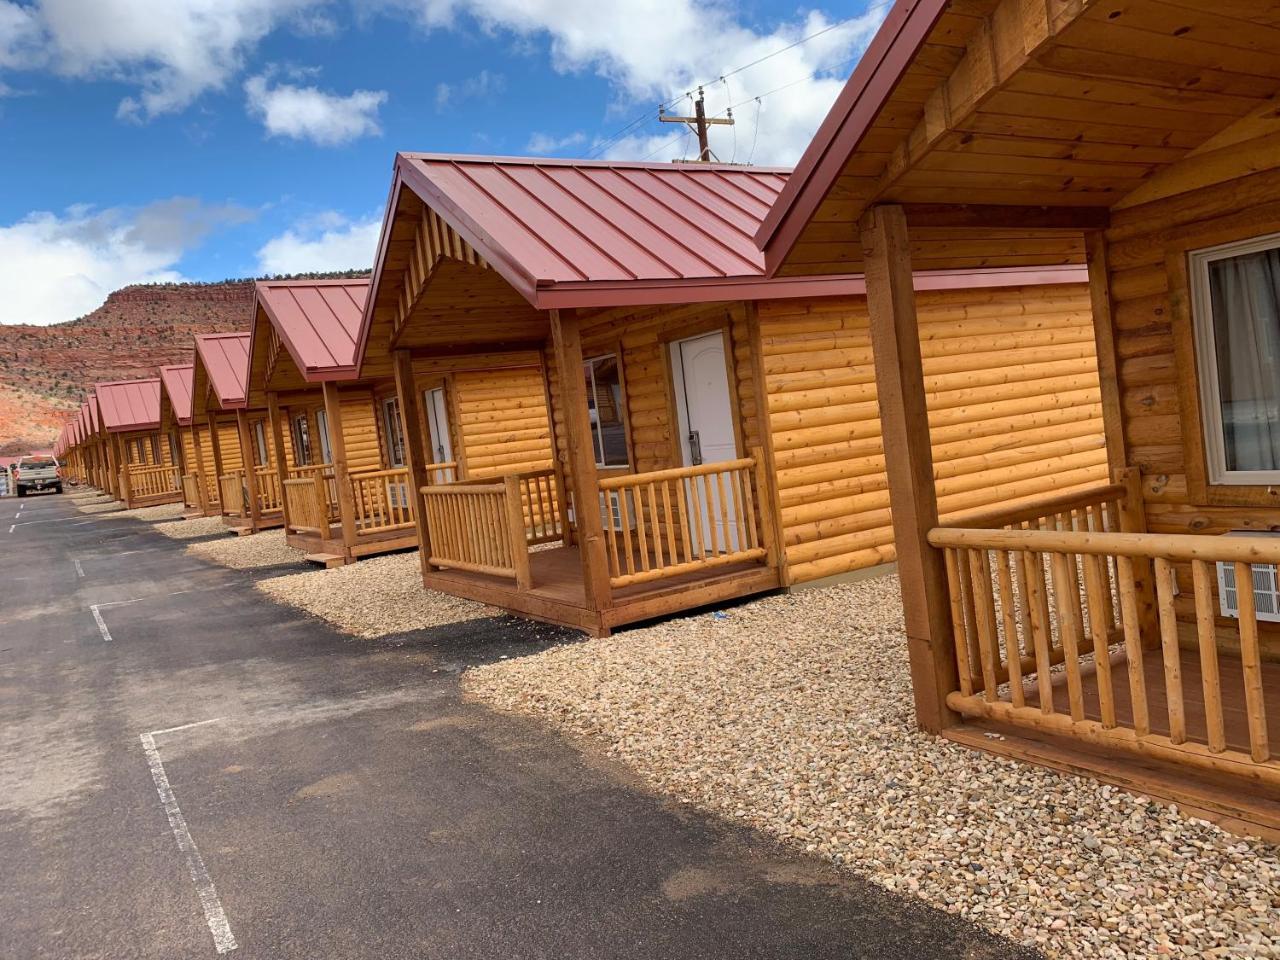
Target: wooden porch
<point x="1074" y="625"/>
<point x="149" y="486"/>
<point x="250" y="501"/>
<point x="672" y="540"/>
<point x="336" y="518"/>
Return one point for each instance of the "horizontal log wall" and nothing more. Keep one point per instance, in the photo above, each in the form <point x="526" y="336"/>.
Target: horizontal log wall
<point x="502" y="420"/>
<point x="228" y="447"/>
<point x="1015" y="412"/>
<point x="1200" y="202"/>
<point x="360" y="429"/>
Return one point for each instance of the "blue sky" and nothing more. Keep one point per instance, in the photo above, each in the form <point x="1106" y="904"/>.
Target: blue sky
<point x="151" y="140"/>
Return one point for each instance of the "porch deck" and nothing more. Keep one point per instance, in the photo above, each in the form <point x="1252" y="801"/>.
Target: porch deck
<point x="313" y="543"/>
<point x="557" y="594"/>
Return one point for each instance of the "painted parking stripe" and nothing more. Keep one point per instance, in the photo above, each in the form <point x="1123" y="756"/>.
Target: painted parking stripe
<point x="224" y="940"/>
<point x="96" y="609"/>
<point x="79" y="569"/>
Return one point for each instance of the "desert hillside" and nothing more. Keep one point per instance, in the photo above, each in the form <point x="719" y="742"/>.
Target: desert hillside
<point x="44" y="370"/>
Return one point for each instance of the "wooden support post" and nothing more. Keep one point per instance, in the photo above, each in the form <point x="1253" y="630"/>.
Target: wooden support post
<point x="201" y="474"/>
<point x="768" y="499"/>
<point x="126" y="484"/>
<point x="215" y="443"/>
<point x="415" y="450"/>
<point x="278" y="451"/>
<point x="114" y="464"/>
<point x="515" y="528"/>
<point x="566" y="338"/>
<point x="1133" y="519"/>
<point x="1104" y="341"/>
<point x="341" y="478"/>
<point x="250" y="470"/>
<point x="904" y="419"/>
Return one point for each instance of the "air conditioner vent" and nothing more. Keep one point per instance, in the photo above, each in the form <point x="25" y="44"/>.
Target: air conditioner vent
<point x="1266" y="584"/>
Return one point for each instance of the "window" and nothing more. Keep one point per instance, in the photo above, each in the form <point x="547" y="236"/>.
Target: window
<point x="322" y="428"/>
<point x="301" y="440"/>
<point x="395" y="436"/>
<point x="175" y="450"/>
<point x="438" y="424"/>
<point x="260" y="443"/>
<point x="604" y="410"/>
<point x="1236" y="290"/>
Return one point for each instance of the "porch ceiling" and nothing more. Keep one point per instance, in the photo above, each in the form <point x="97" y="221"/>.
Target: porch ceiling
<point x="465" y="305"/>
<point x="1048" y="110"/>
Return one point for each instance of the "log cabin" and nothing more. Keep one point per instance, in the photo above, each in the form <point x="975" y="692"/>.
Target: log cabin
<point x="145" y="474"/>
<point x="1131" y="631"/>
<point x="232" y="449"/>
<point x="348" y="497"/>
<point x="179" y="430"/>
<point x="722" y="425"/>
<point x="104" y="471"/>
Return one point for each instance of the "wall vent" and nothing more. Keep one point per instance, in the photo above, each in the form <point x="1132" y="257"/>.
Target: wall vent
<point x="1266" y="584"/>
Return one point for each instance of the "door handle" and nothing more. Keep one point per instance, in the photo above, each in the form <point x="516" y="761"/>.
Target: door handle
<point x="695" y="448"/>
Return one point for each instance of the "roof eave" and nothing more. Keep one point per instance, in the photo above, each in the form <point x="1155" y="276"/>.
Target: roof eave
<point x="890" y="53"/>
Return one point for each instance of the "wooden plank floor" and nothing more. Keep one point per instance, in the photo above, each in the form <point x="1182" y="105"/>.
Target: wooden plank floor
<point x="1234" y="717"/>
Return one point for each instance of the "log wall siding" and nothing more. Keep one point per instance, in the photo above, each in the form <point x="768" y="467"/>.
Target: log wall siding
<point x="501" y="419"/>
<point x="433" y="239"/>
<point x="1202" y="204"/>
<point x="360" y="425"/>
<point x="1014" y="400"/>
<point x="228" y="447"/>
<point x="188" y="449"/>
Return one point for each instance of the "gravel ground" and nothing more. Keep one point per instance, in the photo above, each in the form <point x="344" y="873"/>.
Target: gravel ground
<point x="162" y="512"/>
<point x="793" y="713"/>
<point x="265" y="549"/>
<point x="190" y="529"/>
<point x="373" y="598"/>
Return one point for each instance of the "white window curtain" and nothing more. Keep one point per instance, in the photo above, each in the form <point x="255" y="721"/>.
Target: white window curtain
<point x="1245" y="292"/>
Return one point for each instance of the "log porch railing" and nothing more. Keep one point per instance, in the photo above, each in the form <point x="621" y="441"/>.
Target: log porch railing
<point x="270" y="494"/>
<point x="444" y="472"/>
<point x="672" y="522"/>
<point x="231" y="493"/>
<point x="381" y="499"/>
<point x="1074" y="592"/>
<point x="191" y="489"/>
<point x="308" y="503"/>
<point x="154" y="481"/>
<point x="479" y="527"/>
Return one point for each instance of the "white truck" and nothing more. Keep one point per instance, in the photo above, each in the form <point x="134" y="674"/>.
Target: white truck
<point x="36" y="473"/>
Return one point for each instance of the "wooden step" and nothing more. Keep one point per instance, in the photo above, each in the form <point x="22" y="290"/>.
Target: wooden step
<point x="328" y="559"/>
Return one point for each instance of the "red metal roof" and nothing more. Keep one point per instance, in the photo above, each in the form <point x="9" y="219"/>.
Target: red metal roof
<point x="318" y="322"/>
<point x="175" y="380"/>
<point x="226" y="361"/>
<point x="558" y="226"/>
<point x="95" y="421"/>
<point x="129" y="404"/>
<point x="905" y="29"/>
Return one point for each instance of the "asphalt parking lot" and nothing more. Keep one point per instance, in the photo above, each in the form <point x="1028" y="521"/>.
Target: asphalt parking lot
<point x="189" y="769"/>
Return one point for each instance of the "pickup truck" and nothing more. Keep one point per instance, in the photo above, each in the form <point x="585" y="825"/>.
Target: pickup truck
<point x="36" y="473"/>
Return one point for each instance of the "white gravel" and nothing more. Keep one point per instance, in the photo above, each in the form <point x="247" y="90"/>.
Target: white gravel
<point x="265" y="549"/>
<point x="190" y="529"/>
<point x="794" y="714"/>
<point x="373" y="598"/>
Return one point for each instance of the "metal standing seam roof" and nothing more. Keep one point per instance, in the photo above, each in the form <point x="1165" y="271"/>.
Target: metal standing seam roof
<point x="175" y="381"/>
<point x="226" y="362"/>
<point x="129" y="404"/>
<point x="95" y="419"/>
<point x="319" y="322"/>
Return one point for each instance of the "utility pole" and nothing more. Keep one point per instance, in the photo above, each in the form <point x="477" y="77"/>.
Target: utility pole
<point x="699" y="122"/>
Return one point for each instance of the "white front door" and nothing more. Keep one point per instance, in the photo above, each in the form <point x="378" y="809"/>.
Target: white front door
<point x="441" y="443"/>
<point x="704" y="408"/>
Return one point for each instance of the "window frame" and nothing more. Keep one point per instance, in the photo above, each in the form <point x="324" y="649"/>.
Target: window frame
<point x="322" y="436"/>
<point x="393" y="426"/>
<point x="301" y="441"/>
<point x="1204" y="342"/>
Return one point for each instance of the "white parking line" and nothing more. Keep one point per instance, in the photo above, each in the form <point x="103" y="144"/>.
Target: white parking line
<point x="79" y="569"/>
<point x="224" y="940"/>
<point x="96" y="609"/>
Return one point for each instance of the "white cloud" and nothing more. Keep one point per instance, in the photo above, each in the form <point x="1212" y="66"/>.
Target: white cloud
<point x="171" y="50"/>
<point x="327" y="243"/>
<point x="483" y="86"/>
<point x="629" y="44"/>
<point x="308" y="113"/>
<point x="56" y="267"/>
<point x="545" y="143"/>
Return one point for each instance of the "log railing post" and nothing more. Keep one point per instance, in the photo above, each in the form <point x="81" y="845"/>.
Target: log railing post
<point x="566" y="338"/>
<point x="200" y="474"/>
<point x="341" y="477"/>
<point x="1133" y="519"/>
<point x="763" y="501"/>
<point x="515" y="526"/>
<point x="904" y="418"/>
